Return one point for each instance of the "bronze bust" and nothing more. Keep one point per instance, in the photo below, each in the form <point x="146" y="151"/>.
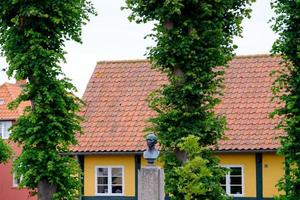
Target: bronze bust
<point x="151" y="154"/>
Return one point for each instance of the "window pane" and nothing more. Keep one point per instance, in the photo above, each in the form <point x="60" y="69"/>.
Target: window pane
<point x="1" y="130"/>
<point x="102" y="172"/>
<point x="102" y="180"/>
<point x="6" y="125"/>
<point x="223" y="187"/>
<point x="236" y="171"/>
<point x="102" y="189"/>
<point x="236" y="189"/>
<point x="117" y="180"/>
<point x="16" y="181"/>
<point x="236" y="180"/>
<point x="117" y="189"/>
<point x="116" y="172"/>
<point x="223" y="181"/>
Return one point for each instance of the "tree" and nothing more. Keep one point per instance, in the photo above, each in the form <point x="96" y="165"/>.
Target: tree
<point x="193" y="38"/>
<point x="5" y="151"/>
<point x="287" y="89"/>
<point x="32" y="35"/>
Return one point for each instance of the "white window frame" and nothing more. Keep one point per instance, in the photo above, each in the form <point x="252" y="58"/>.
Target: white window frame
<point x="109" y="181"/>
<point x="228" y="184"/>
<point x="2" y="127"/>
<point x="16" y="181"/>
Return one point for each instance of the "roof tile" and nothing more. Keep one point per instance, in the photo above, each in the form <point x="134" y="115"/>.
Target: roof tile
<point x="117" y="110"/>
<point x="8" y="93"/>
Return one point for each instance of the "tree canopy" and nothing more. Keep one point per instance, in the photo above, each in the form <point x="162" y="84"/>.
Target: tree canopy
<point x="287" y="89"/>
<point x="32" y="36"/>
<point x="192" y="38"/>
<point x="5" y="151"/>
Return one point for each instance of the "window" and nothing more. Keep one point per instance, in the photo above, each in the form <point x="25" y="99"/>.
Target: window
<point x="16" y="181"/>
<point x="233" y="182"/>
<point x="4" y="126"/>
<point x="109" y="180"/>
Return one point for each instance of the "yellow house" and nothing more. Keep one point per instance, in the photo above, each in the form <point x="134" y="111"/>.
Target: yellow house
<point x="110" y="150"/>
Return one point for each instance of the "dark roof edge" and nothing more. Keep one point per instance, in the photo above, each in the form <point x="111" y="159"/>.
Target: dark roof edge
<point x="141" y="152"/>
<point x="247" y="151"/>
<point x="105" y="153"/>
<point x="8" y="119"/>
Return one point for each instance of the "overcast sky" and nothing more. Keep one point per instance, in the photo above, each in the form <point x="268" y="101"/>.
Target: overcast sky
<point x="110" y="36"/>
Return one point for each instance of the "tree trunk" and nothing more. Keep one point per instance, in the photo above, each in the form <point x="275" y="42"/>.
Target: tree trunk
<point x="45" y="190"/>
<point x="180" y="155"/>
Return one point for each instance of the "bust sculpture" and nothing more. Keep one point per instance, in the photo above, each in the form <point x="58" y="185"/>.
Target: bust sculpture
<point x="151" y="153"/>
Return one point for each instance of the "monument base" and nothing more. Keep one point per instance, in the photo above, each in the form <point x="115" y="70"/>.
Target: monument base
<point x="151" y="183"/>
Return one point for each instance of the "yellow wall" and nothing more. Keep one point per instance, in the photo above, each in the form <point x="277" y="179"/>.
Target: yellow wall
<point x="248" y="162"/>
<point x="272" y="172"/>
<point x="90" y="162"/>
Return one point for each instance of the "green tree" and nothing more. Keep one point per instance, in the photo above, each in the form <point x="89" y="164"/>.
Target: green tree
<point x="287" y="89"/>
<point x="200" y="174"/>
<point x="5" y="151"/>
<point x="32" y="35"/>
<point x="193" y="38"/>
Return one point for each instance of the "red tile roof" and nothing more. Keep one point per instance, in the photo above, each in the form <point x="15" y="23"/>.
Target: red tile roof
<point x="9" y="92"/>
<point x="247" y="103"/>
<point x="116" y="110"/>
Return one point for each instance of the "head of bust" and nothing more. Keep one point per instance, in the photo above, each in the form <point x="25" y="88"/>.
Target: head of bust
<point x="151" y="141"/>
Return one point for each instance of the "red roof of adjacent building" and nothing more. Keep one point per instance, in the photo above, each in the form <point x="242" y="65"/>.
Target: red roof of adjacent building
<point x="8" y="93"/>
<point x="116" y="111"/>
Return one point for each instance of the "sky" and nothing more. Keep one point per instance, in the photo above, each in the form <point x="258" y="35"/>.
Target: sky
<point x="110" y="36"/>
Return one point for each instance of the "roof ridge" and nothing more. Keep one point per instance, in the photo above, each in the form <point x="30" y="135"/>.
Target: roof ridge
<point x="7" y="83"/>
<point x="147" y="60"/>
<point x="122" y="61"/>
<point x="255" y="55"/>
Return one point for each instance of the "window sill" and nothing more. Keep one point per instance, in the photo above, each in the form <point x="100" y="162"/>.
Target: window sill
<point x="236" y="195"/>
<point x="109" y="195"/>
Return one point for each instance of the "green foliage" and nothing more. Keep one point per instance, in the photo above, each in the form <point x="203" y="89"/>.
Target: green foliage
<point x="196" y="175"/>
<point x="193" y="37"/>
<point x="287" y="89"/>
<point x="32" y="35"/>
<point x="5" y="151"/>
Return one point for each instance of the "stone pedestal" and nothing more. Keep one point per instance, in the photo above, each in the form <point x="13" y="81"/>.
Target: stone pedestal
<point x="151" y="184"/>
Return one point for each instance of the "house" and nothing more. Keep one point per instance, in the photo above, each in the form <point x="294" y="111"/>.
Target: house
<point x="110" y="150"/>
<point x="8" y="184"/>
